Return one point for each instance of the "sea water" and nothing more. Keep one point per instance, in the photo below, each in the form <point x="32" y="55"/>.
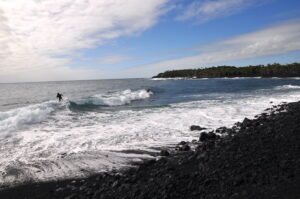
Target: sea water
<point x="108" y="124"/>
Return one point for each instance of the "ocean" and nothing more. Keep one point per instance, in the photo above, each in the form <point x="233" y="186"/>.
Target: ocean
<point x="104" y="125"/>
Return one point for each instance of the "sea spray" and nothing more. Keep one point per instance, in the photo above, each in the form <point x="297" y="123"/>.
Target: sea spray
<point x="289" y="86"/>
<point x="115" y="98"/>
<point x="53" y="141"/>
<point x="18" y="118"/>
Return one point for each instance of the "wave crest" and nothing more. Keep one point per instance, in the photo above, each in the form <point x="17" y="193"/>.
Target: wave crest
<point x="114" y="99"/>
<point x="20" y="117"/>
<point x="288" y="86"/>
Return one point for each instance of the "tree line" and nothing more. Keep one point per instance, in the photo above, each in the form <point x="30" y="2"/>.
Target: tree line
<point x="270" y="70"/>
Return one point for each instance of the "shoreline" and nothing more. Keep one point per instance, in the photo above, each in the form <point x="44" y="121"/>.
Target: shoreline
<point x="270" y="70"/>
<point x="236" y="77"/>
<point x="256" y="158"/>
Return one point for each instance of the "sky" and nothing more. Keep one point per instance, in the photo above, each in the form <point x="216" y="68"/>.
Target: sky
<point x="54" y="40"/>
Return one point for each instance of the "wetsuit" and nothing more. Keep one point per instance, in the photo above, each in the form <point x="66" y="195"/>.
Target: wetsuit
<point x="59" y="96"/>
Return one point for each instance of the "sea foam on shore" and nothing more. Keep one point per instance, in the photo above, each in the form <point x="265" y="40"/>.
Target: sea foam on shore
<point x="258" y="158"/>
<point x="57" y="140"/>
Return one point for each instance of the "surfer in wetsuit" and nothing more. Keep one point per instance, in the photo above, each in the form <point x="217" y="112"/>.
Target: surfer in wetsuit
<point x="59" y="96"/>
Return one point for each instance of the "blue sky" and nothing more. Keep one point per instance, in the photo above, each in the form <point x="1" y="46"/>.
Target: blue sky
<point x="63" y="40"/>
<point x="171" y="38"/>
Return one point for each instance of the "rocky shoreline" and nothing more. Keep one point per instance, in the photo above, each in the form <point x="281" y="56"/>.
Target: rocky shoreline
<point x="257" y="158"/>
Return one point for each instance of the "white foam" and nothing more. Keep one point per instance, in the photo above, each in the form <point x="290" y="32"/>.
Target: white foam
<point x="72" y="144"/>
<point x="18" y="118"/>
<point x="169" y="78"/>
<point x="241" y="77"/>
<point x="117" y="98"/>
<point x="187" y="78"/>
<point x="289" y="86"/>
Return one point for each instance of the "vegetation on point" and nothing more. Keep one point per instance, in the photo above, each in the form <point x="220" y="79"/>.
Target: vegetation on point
<point x="270" y="70"/>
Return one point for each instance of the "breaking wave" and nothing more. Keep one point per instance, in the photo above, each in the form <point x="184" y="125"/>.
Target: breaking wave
<point x="55" y="143"/>
<point x="113" y="99"/>
<point x="289" y="86"/>
<point x="169" y="78"/>
<point x="17" y="118"/>
<point x="25" y="116"/>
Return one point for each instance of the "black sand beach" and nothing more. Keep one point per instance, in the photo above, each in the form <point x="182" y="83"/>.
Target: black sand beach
<point x="256" y="158"/>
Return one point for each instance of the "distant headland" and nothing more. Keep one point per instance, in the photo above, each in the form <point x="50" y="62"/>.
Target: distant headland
<point x="266" y="71"/>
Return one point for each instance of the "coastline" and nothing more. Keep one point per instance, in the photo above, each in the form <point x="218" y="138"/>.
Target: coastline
<point x="237" y="77"/>
<point x="267" y="71"/>
<point x="256" y="158"/>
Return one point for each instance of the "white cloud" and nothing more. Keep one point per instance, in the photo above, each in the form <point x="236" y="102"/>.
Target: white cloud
<point x="274" y="40"/>
<point x="39" y="39"/>
<point x="37" y="36"/>
<point x="207" y="10"/>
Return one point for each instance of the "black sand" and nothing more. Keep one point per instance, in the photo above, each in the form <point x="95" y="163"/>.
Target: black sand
<point x="258" y="158"/>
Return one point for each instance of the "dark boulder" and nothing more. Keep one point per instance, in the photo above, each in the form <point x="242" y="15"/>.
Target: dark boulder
<point x="208" y="136"/>
<point x="182" y="143"/>
<point x="185" y="148"/>
<point x="222" y="130"/>
<point x="213" y="136"/>
<point x="203" y="137"/>
<point x="246" y="123"/>
<point x="196" y="128"/>
<point x="164" y="153"/>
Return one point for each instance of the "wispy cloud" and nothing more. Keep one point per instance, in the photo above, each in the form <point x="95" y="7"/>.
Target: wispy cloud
<point x="42" y="39"/>
<point x="203" y="11"/>
<point x="274" y="40"/>
<point x="45" y="35"/>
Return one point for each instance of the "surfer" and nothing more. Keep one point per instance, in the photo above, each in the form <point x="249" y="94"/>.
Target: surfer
<point x="59" y="96"/>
